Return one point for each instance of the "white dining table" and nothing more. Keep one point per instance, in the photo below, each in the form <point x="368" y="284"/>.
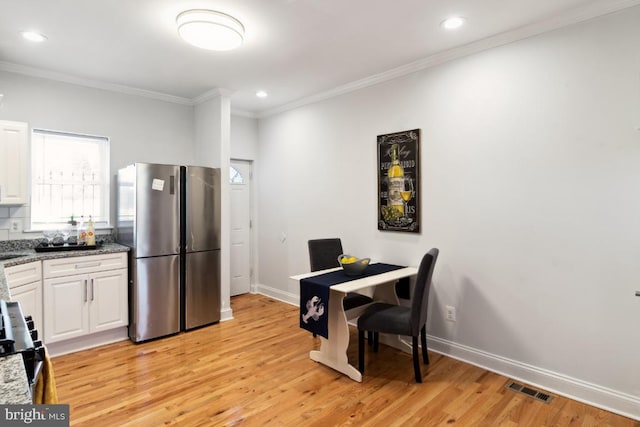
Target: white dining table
<point x="333" y="350"/>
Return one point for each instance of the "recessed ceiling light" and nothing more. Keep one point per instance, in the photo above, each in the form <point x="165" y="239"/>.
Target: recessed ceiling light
<point x="32" y="36"/>
<point x="452" y="23"/>
<point x="209" y="29"/>
<point x="261" y="94"/>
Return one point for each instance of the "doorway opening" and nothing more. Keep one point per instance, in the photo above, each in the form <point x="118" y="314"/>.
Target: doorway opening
<point x="240" y="183"/>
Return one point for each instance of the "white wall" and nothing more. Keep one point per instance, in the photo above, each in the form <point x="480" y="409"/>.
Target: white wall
<point x="207" y="136"/>
<point x="244" y="138"/>
<point x="529" y="175"/>
<point x="140" y="129"/>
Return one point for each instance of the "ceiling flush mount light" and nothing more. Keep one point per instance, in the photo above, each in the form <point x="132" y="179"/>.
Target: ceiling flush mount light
<point x="32" y="36"/>
<point x="209" y="29"/>
<point x="452" y="23"/>
<point x="261" y="94"/>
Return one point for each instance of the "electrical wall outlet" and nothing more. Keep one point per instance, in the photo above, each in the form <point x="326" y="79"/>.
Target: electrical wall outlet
<point x="15" y="225"/>
<point x="450" y="313"/>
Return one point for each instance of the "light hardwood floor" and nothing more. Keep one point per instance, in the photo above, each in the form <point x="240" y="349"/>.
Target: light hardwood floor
<point x="255" y="371"/>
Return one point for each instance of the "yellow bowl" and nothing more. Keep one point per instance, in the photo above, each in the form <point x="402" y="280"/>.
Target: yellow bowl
<point x="353" y="266"/>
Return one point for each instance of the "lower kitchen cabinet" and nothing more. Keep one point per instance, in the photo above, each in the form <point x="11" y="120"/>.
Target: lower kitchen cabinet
<point x="83" y="304"/>
<point x="109" y="302"/>
<point x="25" y="286"/>
<point x="30" y="298"/>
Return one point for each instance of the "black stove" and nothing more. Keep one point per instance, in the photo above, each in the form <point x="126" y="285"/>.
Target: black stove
<point x="18" y="335"/>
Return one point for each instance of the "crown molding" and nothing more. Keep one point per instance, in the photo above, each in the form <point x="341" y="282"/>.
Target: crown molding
<point x="243" y="113"/>
<point x="218" y="92"/>
<point x="211" y="94"/>
<point x="94" y="84"/>
<point x="556" y="22"/>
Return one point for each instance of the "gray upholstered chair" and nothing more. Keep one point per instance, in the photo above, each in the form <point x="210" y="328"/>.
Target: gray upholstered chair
<point x="323" y="254"/>
<point x="395" y="319"/>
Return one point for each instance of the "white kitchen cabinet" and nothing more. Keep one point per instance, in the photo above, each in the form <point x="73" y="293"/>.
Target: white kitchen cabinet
<point x="109" y="308"/>
<point x="25" y="287"/>
<point x="92" y="300"/>
<point x="14" y="162"/>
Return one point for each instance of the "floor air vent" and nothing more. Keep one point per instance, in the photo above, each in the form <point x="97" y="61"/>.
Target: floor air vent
<point x="543" y="397"/>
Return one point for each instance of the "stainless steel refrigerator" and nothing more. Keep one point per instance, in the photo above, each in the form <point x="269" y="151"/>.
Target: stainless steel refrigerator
<point x="201" y="247"/>
<point x="170" y="218"/>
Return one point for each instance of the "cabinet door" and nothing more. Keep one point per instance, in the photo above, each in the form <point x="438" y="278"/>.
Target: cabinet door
<point x="30" y="298"/>
<point x="108" y="300"/>
<point x="66" y="307"/>
<point x="14" y="162"/>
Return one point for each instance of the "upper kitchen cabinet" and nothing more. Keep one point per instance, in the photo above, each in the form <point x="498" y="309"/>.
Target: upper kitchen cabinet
<point x="14" y="162"/>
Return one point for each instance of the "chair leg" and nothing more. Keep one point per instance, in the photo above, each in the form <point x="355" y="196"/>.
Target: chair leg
<point x="376" y="341"/>
<point x="369" y="337"/>
<point x="416" y="362"/>
<point x="361" y="351"/>
<point x="423" y="338"/>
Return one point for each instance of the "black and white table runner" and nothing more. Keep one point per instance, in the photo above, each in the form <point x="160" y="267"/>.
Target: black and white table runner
<point x="314" y="295"/>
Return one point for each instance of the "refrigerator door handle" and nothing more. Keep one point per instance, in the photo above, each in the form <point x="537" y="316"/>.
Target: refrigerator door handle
<point x="172" y="184"/>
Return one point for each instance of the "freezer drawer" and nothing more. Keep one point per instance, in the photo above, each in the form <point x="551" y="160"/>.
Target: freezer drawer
<point x="202" y="288"/>
<point x="154" y="297"/>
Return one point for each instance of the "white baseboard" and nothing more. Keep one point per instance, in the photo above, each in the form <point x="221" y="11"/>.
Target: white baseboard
<point x="277" y="294"/>
<point x="573" y="388"/>
<point x="87" y="341"/>
<point x="226" y="314"/>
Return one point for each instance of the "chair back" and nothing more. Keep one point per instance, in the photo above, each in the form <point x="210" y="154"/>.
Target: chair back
<point x="420" y="299"/>
<point x="324" y="253"/>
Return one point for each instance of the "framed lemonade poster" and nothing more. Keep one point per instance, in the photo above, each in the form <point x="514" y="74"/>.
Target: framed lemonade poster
<point x="399" y="181"/>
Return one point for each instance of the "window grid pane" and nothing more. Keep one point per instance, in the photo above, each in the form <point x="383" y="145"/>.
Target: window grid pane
<point x="69" y="177"/>
<point x="235" y="177"/>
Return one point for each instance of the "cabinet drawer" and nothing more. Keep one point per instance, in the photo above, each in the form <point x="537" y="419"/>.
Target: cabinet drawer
<point x="19" y="275"/>
<point x="84" y="264"/>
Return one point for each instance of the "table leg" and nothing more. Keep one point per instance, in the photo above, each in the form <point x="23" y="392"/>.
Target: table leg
<point x="333" y="351"/>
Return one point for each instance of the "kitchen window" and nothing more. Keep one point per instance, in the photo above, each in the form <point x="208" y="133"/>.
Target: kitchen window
<point x="69" y="176"/>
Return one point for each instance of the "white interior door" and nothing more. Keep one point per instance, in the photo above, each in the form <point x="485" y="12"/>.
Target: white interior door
<point x="240" y="184"/>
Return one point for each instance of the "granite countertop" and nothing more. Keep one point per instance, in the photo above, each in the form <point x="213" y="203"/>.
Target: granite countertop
<point x="14" y="386"/>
